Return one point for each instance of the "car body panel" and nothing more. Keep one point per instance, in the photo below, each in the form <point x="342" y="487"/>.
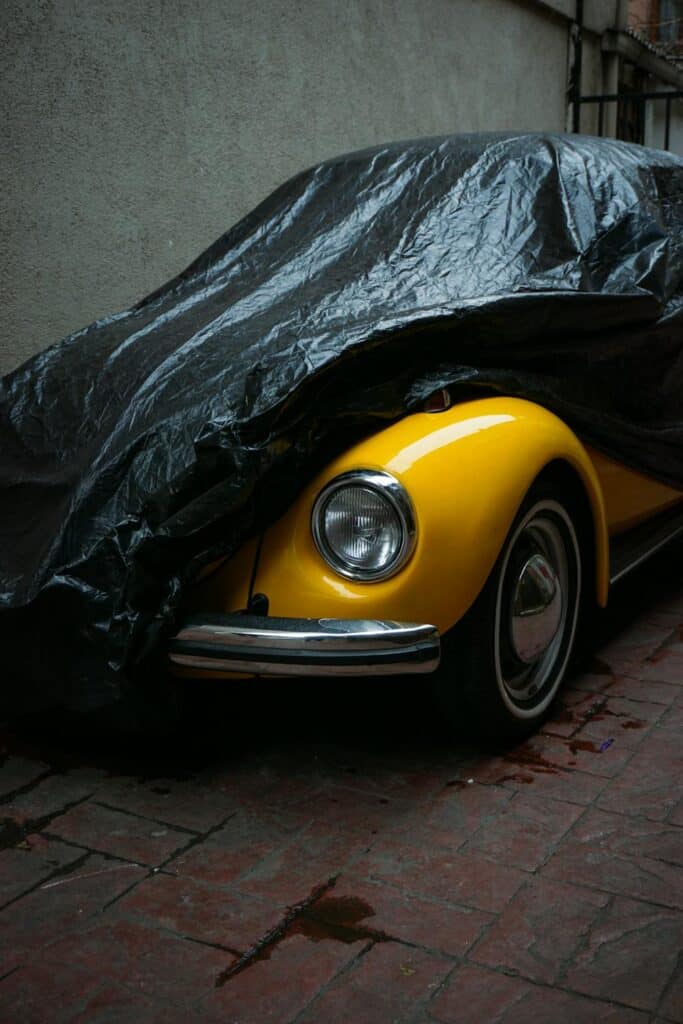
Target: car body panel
<point x="224" y="585"/>
<point x="630" y="498"/>
<point x="467" y="470"/>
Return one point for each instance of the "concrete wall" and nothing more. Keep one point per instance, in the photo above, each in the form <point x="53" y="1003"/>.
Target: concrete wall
<point x="592" y="81"/>
<point x="136" y="133"/>
<point x="597" y="14"/>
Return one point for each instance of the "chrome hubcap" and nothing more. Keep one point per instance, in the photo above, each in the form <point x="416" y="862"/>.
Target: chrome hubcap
<point x="536" y="609"/>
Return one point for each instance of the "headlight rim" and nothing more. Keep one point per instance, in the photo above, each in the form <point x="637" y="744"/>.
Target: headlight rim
<point x="395" y="493"/>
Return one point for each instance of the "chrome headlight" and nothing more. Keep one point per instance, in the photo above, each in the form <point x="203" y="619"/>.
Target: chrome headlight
<point x="363" y="525"/>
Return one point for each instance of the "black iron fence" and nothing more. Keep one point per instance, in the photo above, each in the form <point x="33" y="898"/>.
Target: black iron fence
<point x="631" y="111"/>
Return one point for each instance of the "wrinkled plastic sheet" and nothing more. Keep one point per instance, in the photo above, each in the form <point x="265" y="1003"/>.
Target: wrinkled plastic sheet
<point x="139" y="449"/>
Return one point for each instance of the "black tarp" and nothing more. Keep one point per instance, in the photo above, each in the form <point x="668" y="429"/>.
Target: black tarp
<point x="140" y="448"/>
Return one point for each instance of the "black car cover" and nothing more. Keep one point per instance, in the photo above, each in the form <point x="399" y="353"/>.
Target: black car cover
<point x="142" y="447"/>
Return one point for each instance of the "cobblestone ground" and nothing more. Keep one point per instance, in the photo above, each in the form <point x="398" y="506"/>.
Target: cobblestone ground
<point x="320" y="853"/>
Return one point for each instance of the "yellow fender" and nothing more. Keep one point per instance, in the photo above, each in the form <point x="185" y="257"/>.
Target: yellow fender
<point x="467" y="471"/>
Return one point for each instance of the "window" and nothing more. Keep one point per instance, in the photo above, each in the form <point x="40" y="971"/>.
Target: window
<point x="631" y="109"/>
<point x="668" y="27"/>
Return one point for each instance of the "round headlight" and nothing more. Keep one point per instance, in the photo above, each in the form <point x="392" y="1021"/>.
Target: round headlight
<point x="363" y="525"/>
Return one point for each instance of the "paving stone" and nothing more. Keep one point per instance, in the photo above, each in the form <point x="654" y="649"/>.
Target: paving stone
<point x="441" y="874"/>
<point x="162" y="967"/>
<point x="277" y="987"/>
<point x="585" y="756"/>
<point x="123" y="835"/>
<point x="234" y="849"/>
<point x="35" y="994"/>
<point x="191" y="805"/>
<point x="572" y="710"/>
<point x="277" y="779"/>
<point x="474" y="995"/>
<point x="49" y="797"/>
<point x="202" y="912"/>
<point x="626" y="721"/>
<point x="528" y="884"/>
<point x="646" y="691"/>
<point x="30" y="862"/>
<point x="452" y="816"/>
<point x="666" y="667"/>
<point x="17" y="772"/>
<point x="175" y="1015"/>
<point x="61" y="905"/>
<point x="116" y="1004"/>
<point x="545" y="780"/>
<point x="652" y="783"/>
<point x="389" y="983"/>
<point x="433" y="925"/>
<point x="630" y="955"/>
<point x="672" y="719"/>
<point x="630" y="856"/>
<point x="671" y="1006"/>
<point x="525" y="832"/>
<point x="287" y="792"/>
<point x="392" y="774"/>
<point x="676" y="816"/>
<point x="292" y="870"/>
<point x="619" y="657"/>
<point x="596" y="679"/>
<point x="539" y="929"/>
<point x="544" y="754"/>
<point x="347" y="809"/>
<point x="651" y="629"/>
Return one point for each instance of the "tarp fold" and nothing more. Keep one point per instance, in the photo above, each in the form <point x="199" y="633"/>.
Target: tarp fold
<point x="142" y="447"/>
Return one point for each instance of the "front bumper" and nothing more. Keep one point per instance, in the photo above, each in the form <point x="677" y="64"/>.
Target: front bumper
<point x="261" y="645"/>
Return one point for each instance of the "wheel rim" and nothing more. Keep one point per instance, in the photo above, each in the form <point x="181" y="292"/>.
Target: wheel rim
<point x="536" y="609"/>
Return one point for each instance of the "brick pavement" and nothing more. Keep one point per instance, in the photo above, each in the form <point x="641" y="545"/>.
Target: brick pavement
<point x="322" y="854"/>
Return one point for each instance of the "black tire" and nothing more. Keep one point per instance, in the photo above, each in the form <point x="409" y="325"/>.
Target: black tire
<point x="482" y="684"/>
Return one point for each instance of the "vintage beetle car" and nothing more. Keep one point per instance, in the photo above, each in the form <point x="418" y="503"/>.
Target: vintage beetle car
<point x="460" y="541"/>
<point x="541" y="273"/>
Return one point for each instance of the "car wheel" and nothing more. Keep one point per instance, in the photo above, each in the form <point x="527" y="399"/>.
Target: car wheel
<point x="504" y="662"/>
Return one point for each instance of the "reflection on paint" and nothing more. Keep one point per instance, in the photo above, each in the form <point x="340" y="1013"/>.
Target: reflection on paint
<point x="405" y="459"/>
<point x="341" y="588"/>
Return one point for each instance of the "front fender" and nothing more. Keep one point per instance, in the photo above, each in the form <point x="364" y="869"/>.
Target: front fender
<point x="467" y="471"/>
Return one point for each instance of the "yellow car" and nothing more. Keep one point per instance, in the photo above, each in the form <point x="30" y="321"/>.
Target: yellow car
<point x="372" y="296"/>
<point x="461" y="541"/>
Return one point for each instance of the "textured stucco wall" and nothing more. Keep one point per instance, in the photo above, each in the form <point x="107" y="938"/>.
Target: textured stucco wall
<point x="136" y="133"/>
<point x="597" y="14"/>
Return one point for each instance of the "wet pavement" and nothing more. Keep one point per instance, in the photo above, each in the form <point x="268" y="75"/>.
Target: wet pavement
<point x="320" y="852"/>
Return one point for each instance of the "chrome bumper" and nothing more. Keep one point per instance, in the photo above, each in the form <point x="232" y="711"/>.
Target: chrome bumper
<point x="262" y="645"/>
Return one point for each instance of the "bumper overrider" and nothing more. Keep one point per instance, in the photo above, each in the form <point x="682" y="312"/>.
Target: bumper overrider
<point x="264" y="645"/>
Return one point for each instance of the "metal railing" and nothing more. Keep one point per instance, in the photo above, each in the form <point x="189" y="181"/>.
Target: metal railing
<point x="639" y="100"/>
